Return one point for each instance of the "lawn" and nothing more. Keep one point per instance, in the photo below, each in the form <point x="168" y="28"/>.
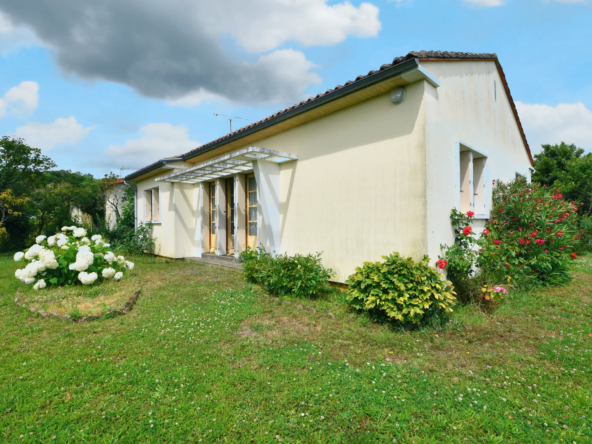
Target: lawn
<point x="205" y="357"/>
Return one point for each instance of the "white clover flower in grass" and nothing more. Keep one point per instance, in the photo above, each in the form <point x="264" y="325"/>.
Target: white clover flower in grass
<point x="79" y="232"/>
<point x="19" y="256"/>
<point x="108" y="273"/>
<point x="87" y="278"/>
<point x="40" y="239"/>
<point x="129" y="265"/>
<point x="97" y="237"/>
<point x="40" y="284"/>
<point x="51" y="241"/>
<point x="118" y="276"/>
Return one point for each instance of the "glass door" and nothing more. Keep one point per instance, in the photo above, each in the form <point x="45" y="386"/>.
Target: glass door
<point x="213" y="217"/>
<point x="230" y="216"/>
<point x="251" y="212"/>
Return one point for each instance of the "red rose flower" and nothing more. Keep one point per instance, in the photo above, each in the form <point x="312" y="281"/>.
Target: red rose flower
<point x="467" y="230"/>
<point x="500" y="210"/>
<point x="485" y="232"/>
<point x="442" y="264"/>
<point x="470" y="213"/>
<point x="573" y="255"/>
<point x="521" y="242"/>
<point x="559" y="234"/>
<point x="497" y="242"/>
<point x="533" y="234"/>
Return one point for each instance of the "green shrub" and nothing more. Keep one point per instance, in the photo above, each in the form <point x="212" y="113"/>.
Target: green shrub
<point x="400" y="290"/>
<point x="138" y="241"/>
<point x="300" y="276"/>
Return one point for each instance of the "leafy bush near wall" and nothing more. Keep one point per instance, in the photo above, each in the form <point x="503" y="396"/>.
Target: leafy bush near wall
<point x="400" y="290"/>
<point x="299" y="275"/>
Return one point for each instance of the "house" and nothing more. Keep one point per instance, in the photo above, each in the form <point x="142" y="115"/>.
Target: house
<point x="115" y="197"/>
<point x="365" y="169"/>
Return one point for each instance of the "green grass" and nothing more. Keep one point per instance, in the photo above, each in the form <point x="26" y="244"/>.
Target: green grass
<point x="204" y="357"/>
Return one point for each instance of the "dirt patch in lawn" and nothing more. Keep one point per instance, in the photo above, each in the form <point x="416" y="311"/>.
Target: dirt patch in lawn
<point x="78" y="301"/>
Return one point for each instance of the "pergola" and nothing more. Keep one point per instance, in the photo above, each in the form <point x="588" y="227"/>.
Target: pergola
<point x="234" y="163"/>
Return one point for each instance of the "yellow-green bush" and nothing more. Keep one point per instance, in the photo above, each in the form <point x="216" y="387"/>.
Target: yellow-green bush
<point x="400" y="290"/>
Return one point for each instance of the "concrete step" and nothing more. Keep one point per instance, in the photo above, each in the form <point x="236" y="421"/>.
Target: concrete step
<point x="214" y="261"/>
<point x="227" y="258"/>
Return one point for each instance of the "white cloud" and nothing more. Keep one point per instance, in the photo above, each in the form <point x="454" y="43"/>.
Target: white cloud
<point x="566" y="122"/>
<point x="263" y="25"/>
<point x="47" y="136"/>
<point x="156" y="141"/>
<point x="22" y="99"/>
<point x="486" y="3"/>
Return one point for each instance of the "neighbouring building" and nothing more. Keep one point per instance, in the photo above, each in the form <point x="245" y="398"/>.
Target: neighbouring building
<point x="115" y="197"/>
<point x="367" y="168"/>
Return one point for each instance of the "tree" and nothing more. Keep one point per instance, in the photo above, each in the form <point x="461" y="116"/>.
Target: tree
<point x="576" y="182"/>
<point x="20" y="165"/>
<point x="551" y="163"/>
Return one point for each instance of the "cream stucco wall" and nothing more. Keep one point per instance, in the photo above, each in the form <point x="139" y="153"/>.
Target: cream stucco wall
<point x="357" y="191"/>
<point x="174" y="233"/>
<point x="464" y="109"/>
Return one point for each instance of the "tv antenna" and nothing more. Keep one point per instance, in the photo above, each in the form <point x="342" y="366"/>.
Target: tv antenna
<point x="229" y="118"/>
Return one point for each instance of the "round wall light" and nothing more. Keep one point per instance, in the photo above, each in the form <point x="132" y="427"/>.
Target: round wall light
<point x="398" y="95"/>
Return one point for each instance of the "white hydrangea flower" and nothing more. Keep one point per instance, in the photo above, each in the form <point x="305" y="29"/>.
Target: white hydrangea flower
<point x="19" y="256"/>
<point x="33" y="252"/>
<point x="87" y="278"/>
<point x="120" y="260"/>
<point x="85" y="241"/>
<point x="40" y="284"/>
<point x="79" y="232"/>
<point x="108" y="273"/>
<point x="65" y="228"/>
<point x="47" y="257"/>
<point x="51" y="240"/>
<point x="27" y="274"/>
<point x="64" y="247"/>
<point x="62" y="240"/>
<point x="40" y="238"/>
<point x="72" y="228"/>
<point x="118" y="276"/>
<point x="105" y="245"/>
<point x="110" y="257"/>
<point x="129" y="265"/>
<point x="84" y="259"/>
<point x="97" y="237"/>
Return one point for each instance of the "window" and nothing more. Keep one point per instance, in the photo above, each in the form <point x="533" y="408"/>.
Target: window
<point x="252" y="205"/>
<point x="473" y="181"/>
<point x="152" y="205"/>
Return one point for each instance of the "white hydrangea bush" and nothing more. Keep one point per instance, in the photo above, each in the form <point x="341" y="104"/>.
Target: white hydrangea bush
<point x="69" y="258"/>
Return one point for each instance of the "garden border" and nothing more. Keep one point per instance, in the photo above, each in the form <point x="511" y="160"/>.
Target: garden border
<point x="126" y="308"/>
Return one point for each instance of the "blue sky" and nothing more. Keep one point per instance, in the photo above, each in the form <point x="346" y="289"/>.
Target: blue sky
<point x="100" y="88"/>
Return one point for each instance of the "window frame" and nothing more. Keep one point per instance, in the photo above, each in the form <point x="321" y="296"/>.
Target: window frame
<point x="152" y="220"/>
<point x="474" y="154"/>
